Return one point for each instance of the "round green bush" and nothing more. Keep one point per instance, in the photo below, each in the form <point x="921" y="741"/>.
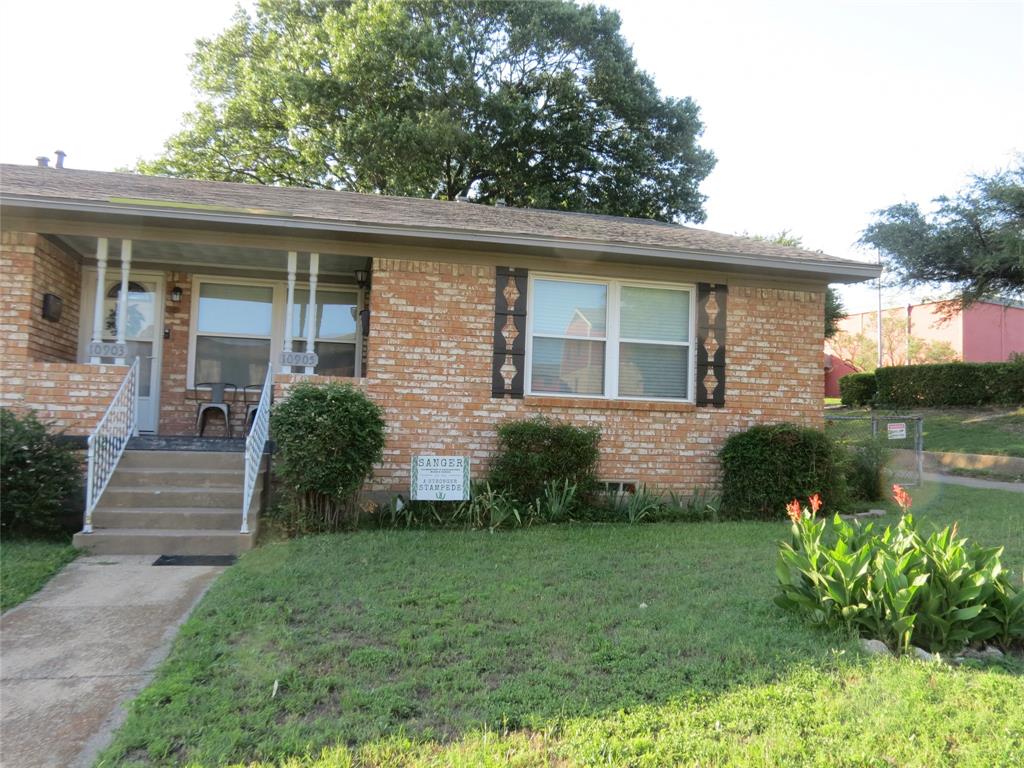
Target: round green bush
<point x="328" y="437"/>
<point x="771" y="464"/>
<point x="857" y="389"/>
<point x="39" y="476"/>
<point x="533" y="453"/>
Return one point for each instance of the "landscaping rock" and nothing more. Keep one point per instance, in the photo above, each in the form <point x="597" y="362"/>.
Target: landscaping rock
<point x="921" y="653"/>
<point x="991" y="652"/>
<point x="874" y="647"/>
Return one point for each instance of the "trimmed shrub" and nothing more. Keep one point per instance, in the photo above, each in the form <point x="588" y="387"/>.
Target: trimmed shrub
<point x="954" y="384"/>
<point x="39" y="476"/>
<point x="328" y="438"/>
<point x="766" y="466"/>
<point x="534" y="453"/>
<point x="857" y="389"/>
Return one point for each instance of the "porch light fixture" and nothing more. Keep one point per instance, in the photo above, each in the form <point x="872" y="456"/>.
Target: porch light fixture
<point x="176" y="294"/>
<point x="362" y="278"/>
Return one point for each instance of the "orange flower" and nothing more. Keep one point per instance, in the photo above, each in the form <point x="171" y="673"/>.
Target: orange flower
<point x="794" y="511"/>
<point x="902" y="498"/>
<point x="815" y="503"/>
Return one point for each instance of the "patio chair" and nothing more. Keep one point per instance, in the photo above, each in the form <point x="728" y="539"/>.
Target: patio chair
<point x="216" y="403"/>
<point x="251" y="394"/>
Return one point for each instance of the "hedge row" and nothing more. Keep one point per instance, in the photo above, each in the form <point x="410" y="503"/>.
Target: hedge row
<point x="954" y="384"/>
<point x="857" y="389"/>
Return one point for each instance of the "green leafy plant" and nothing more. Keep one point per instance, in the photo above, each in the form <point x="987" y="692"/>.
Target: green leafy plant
<point x="534" y="453"/>
<point x="866" y="469"/>
<point x="857" y="389"/>
<point x="558" y="502"/>
<point x="701" y="505"/>
<point x="770" y="464"/>
<point x="640" y="505"/>
<point x="937" y="592"/>
<point x="328" y="437"/>
<point x="39" y="476"/>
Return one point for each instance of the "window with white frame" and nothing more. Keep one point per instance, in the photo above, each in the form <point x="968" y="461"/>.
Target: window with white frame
<point x="610" y="338"/>
<point x="234" y="325"/>
<point x="336" y="330"/>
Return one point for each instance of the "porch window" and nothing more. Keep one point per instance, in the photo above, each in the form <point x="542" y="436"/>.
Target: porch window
<point x="335" y="343"/>
<point x="233" y="333"/>
<point x="610" y="338"/>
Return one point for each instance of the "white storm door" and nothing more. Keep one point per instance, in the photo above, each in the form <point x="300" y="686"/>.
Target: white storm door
<point x="143" y="334"/>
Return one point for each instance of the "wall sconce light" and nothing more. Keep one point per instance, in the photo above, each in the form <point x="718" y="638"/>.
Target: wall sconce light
<point x="362" y="278"/>
<point x="53" y="307"/>
<point x="176" y="294"/>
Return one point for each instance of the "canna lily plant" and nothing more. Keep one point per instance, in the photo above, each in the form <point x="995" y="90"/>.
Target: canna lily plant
<point x="937" y="591"/>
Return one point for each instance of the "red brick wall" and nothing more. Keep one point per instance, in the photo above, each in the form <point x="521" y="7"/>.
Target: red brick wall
<point x="430" y="353"/>
<point x="30" y="266"/>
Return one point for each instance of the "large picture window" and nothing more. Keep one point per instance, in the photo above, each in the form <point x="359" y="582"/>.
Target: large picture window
<point x="610" y="339"/>
<point x="233" y="333"/>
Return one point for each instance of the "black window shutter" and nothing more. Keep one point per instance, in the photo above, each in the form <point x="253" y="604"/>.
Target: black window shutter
<point x="507" y="371"/>
<point x="712" y="301"/>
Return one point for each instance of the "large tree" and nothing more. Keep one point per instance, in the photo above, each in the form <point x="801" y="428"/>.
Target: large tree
<point x="971" y="245"/>
<point x="539" y="104"/>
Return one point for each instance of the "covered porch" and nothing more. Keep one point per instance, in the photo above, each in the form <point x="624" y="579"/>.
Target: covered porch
<point x="206" y="321"/>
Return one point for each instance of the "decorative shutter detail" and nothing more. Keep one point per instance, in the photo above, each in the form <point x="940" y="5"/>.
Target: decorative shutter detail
<point x="507" y="372"/>
<point x="712" y="300"/>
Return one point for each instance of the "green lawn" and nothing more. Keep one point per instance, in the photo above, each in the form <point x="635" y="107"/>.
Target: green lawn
<point x="26" y="565"/>
<point x="563" y="645"/>
<point x="968" y="430"/>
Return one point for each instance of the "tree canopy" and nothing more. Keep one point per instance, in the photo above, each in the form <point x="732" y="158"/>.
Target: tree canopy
<point x="972" y="244"/>
<point x="538" y="104"/>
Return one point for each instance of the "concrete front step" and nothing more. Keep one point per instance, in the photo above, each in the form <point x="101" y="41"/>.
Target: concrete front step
<point x="160" y="496"/>
<point x="130" y="477"/>
<point x="178" y="518"/>
<point x="182" y="460"/>
<point x="157" y="541"/>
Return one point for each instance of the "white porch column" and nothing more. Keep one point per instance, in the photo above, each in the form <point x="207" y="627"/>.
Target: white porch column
<point x="122" y="304"/>
<point x="314" y="268"/>
<point x="292" y="261"/>
<point x="102" y="246"/>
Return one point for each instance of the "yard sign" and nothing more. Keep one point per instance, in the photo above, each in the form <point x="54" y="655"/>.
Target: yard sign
<point x="897" y="430"/>
<point x="439" y="478"/>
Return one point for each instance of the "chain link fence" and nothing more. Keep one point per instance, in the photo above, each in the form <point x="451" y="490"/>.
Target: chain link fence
<point x="901" y="434"/>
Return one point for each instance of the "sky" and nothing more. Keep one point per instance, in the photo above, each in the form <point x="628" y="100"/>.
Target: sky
<point x="819" y="112"/>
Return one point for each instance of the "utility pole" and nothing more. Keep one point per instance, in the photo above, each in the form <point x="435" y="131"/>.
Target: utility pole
<point x="879" y="311"/>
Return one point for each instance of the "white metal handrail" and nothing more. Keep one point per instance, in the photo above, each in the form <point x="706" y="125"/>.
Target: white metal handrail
<point x="108" y="440"/>
<point x="255" y="443"/>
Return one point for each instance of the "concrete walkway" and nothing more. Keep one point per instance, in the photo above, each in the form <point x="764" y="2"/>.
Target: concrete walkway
<point x="974" y="482"/>
<point x="88" y="642"/>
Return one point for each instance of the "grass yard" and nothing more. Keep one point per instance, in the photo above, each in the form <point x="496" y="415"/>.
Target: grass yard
<point x="26" y="565"/>
<point x="997" y="431"/>
<point x="562" y="645"/>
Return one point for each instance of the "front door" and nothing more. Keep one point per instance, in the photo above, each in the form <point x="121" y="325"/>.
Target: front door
<point x="143" y="324"/>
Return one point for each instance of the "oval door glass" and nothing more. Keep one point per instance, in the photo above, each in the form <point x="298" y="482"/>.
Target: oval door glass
<point x="140" y="326"/>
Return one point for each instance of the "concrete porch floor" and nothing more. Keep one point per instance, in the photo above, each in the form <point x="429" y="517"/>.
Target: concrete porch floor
<point x="74" y="654"/>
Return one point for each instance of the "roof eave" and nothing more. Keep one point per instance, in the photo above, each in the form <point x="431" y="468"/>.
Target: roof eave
<point x="834" y="271"/>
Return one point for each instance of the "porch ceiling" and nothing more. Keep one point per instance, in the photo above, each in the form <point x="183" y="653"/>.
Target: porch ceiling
<point x="197" y="257"/>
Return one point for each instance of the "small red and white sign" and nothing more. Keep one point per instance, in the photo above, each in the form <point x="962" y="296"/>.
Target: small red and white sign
<point x="897" y="430"/>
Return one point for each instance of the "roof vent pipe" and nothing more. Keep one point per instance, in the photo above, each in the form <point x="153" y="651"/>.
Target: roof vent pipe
<point x="43" y="161"/>
<point x="61" y="154"/>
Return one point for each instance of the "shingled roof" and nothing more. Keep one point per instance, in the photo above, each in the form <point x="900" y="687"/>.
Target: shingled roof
<point x="44" y="187"/>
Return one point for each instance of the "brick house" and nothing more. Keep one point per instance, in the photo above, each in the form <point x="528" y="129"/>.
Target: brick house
<point x="451" y="316"/>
